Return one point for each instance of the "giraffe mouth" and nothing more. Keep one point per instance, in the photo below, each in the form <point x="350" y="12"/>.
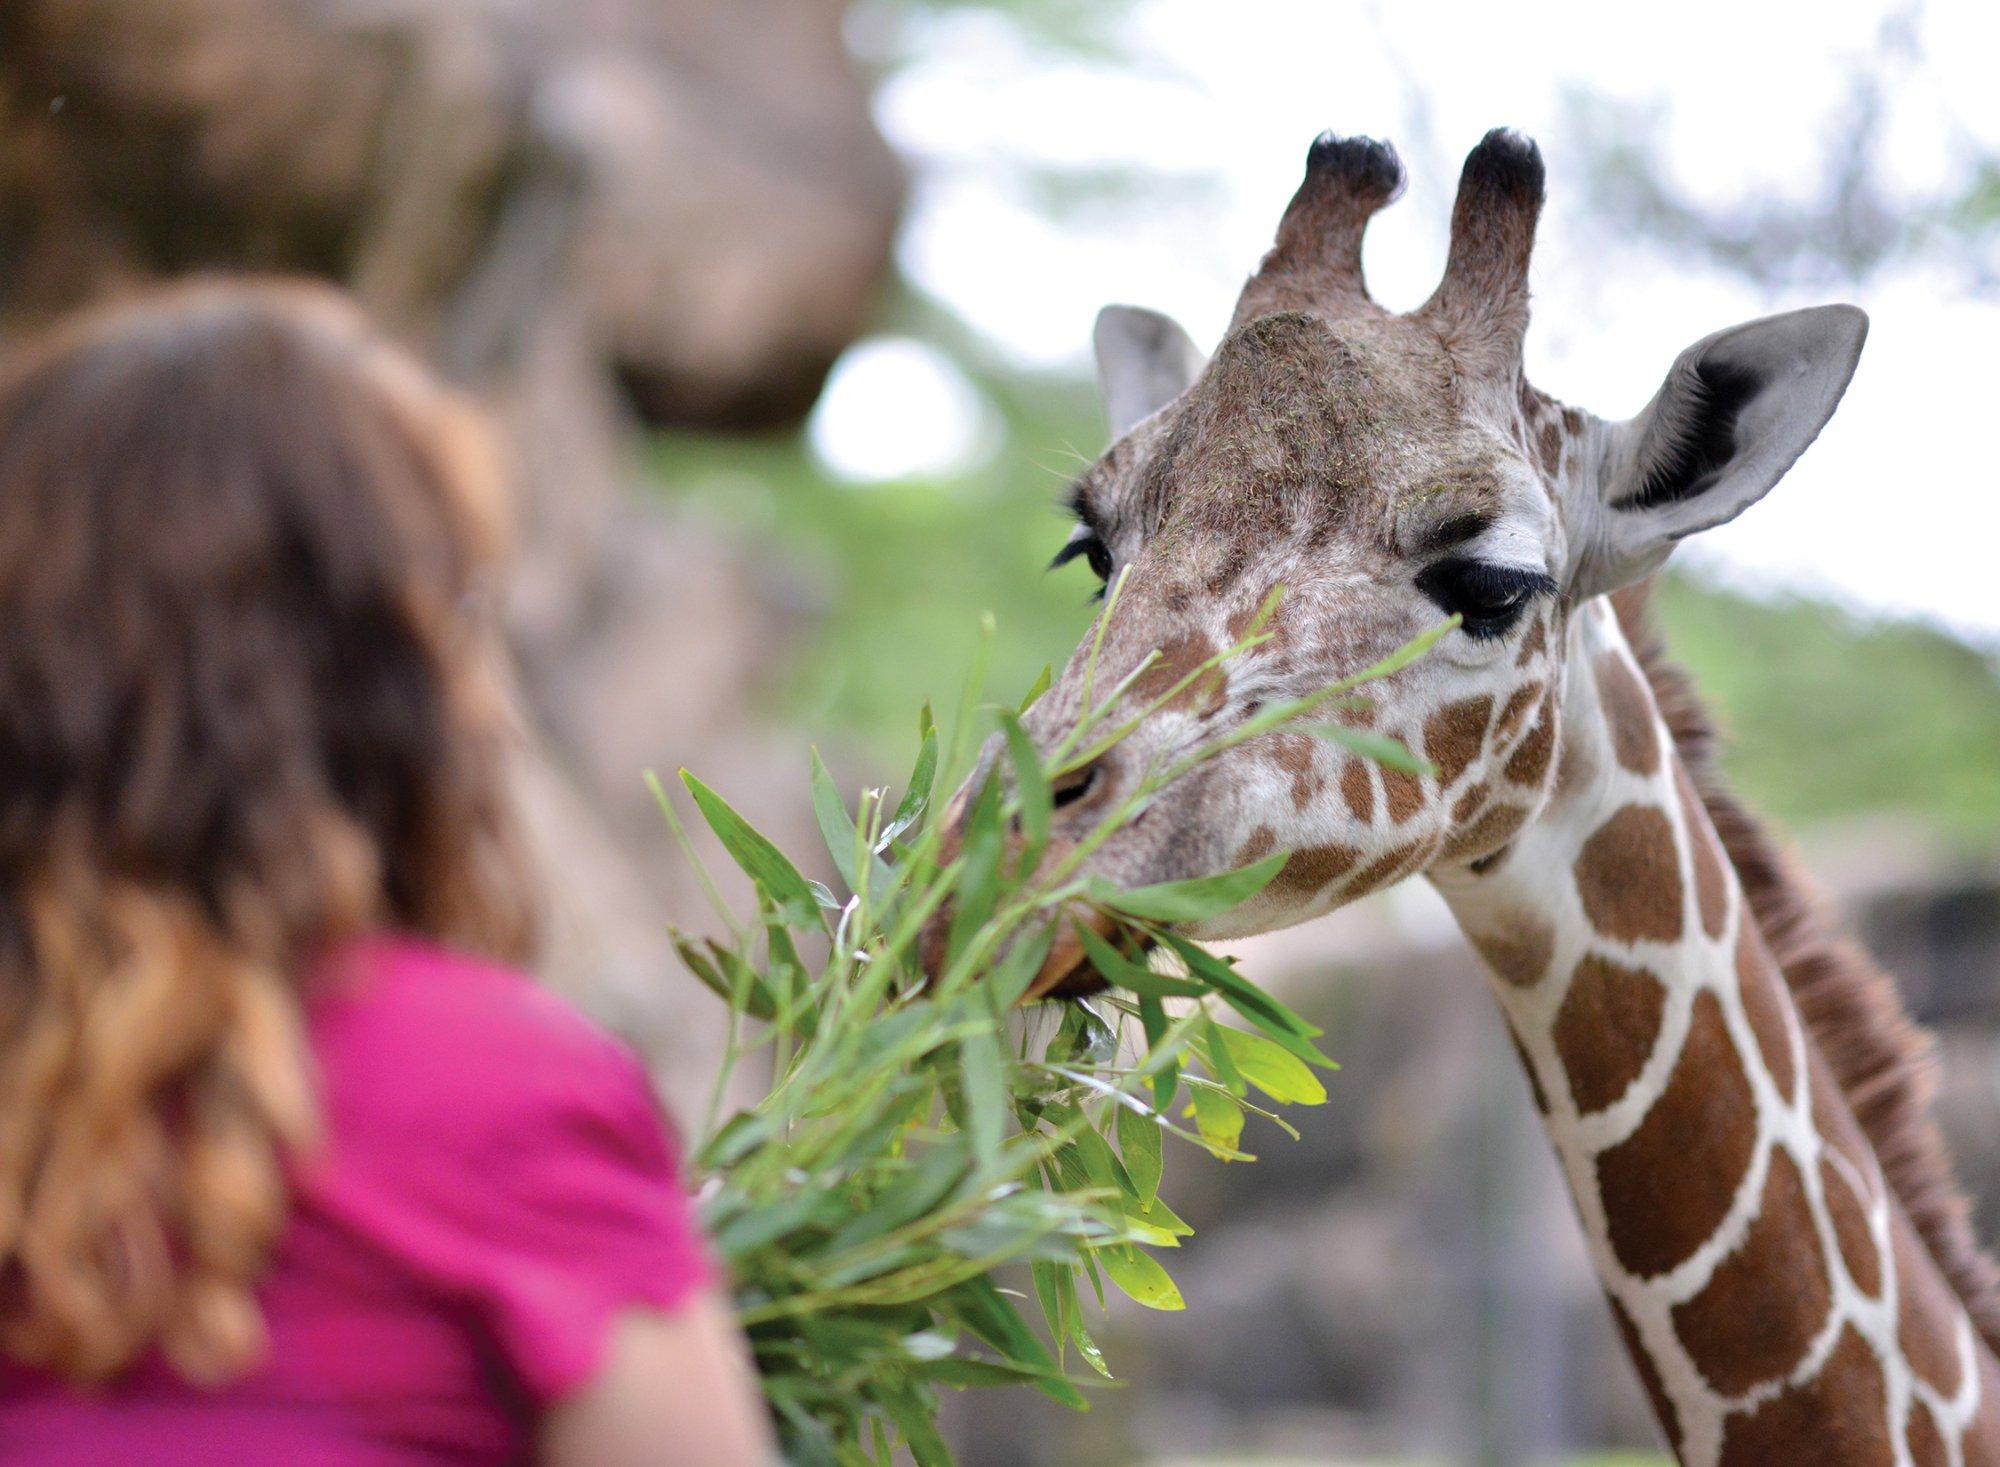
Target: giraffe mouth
<point x="1067" y="972"/>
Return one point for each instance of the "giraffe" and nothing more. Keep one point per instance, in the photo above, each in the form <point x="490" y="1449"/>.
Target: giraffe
<point x="1736" y="1099"/>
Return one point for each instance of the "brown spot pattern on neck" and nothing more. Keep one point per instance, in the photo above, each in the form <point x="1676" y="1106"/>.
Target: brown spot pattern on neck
<point x="1850" y="1007"/>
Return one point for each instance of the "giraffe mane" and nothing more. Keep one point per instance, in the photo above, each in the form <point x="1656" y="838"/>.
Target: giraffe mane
<point x="1883" y="1061"/>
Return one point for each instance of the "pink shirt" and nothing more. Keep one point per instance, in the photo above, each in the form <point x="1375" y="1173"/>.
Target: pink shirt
<point x="496" y="1184"/>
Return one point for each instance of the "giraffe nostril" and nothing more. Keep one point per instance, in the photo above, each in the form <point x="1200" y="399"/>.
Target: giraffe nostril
<point x="1074" y="784"/>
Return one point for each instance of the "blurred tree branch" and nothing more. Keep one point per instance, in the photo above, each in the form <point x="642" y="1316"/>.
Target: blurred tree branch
<point x="1858" y="221"/>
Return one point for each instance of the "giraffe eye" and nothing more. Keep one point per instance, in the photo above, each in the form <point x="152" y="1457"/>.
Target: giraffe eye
<point x="1086" y="545"/>
<point x="1489" y="598"/>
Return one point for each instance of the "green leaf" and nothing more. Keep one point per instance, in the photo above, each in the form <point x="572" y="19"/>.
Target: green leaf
<point x="1217" y="1116"/>
<point x="1018" y="968"/>
<point x="985" y="1092"/>
<point x="1096" y="1277"/>
<point x="916" y="1190"/>
<point x="979" y="873"/>
<point x="1048" y="1277"/>
<point x="1196" y="898"/>
<point x="792" y="986"/>
<point x="1153" y="1018"/>
<point x="1128" y="973"/>
<point x="1216" y="1053"/>
<point x="1039" y="686"/>
<point x="1073" y="1169"/>
<point x="1031" y="786"/>
<point x="1272" y="1068"/>
<point x="1103" y="1165"/>
<point x="977" y="1305"/>
<point x="1269" y="1015"/>
<point x="1161" y="1218"/>
<point x="1071" y="1311"/>
<point x="1139" y="1143"/>
<point x="968" y="695"/>
<point x="836" y="826"/>
<point x="915" y="1418"/>
<point x="761" y="861"/>
<point x="1271" y="715"/>
<point x="917" y="795"/>
<point x="1080" y="1337"/>
<point x="754" y="1229"/>
<point x="753" y="996"/>
<point x="732" y="1140"/>
<point x="1090" y="1161"/>
<point x="1389" y="752"/>
<point x="960" y="1372"/>
<point x="1139" y="1276"/>
<point x="1403" y="656"/>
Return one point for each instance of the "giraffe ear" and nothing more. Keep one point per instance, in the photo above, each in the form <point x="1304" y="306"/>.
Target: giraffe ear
<point x="1736" y="410"/>
<point x="1144" y="361"/>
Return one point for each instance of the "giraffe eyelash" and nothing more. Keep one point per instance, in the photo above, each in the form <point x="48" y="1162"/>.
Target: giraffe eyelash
<point x="1489" y="598"/>
<point x="1087" y="545"/>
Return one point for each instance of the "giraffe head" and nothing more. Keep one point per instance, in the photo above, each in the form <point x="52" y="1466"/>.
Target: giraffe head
<point x="1386" y="471"/>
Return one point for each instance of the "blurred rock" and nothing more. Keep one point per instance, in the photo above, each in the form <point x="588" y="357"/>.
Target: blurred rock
<point x="729" y="285"/>
<point x="736" y="202"/>
<point x="583" y="213"/>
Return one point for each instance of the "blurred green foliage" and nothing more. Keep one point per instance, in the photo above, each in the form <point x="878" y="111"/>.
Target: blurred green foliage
<point x="1829" y="714"/>
<point x="901" y="572"/>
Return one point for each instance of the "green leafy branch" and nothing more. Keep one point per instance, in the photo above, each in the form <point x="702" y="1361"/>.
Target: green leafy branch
<point x="913" y="1137"/>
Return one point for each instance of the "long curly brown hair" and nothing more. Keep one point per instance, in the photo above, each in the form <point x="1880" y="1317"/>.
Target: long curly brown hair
<point x="249" y="707"/>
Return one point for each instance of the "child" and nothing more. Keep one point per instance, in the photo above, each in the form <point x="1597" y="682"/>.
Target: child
<point x="294" y="1167"/>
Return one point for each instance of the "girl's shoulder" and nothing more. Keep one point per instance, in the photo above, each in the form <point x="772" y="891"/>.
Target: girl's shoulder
<point x="371" y="986"/>
<point x="412" y="1038"/>
<point x="501" y="1149"/>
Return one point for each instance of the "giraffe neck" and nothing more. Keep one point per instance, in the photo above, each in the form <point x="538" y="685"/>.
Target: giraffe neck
<point x="1764" y="1277"/>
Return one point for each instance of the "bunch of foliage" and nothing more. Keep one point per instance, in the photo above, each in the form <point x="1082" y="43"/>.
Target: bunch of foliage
<point x="917" y="1134"/>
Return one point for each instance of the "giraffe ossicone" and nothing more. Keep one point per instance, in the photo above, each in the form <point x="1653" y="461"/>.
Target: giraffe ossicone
<point x="1790" y="1287"/>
